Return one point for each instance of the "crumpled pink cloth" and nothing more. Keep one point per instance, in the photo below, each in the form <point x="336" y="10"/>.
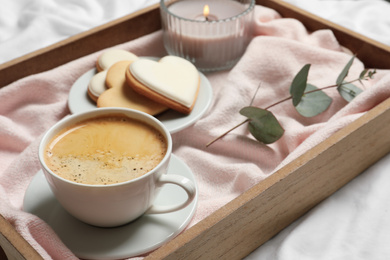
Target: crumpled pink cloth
<point x="227" y="168"/>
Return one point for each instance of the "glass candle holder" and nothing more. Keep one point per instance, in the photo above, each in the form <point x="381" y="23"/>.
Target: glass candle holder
<point x="211" y="41"/>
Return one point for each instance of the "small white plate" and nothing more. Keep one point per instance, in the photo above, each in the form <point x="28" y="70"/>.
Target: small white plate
<point x="141" y="236"/>
<point x="79" y="101"/>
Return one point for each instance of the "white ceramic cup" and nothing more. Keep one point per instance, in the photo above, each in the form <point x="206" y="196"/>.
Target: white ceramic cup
<point x="120" y="203"/>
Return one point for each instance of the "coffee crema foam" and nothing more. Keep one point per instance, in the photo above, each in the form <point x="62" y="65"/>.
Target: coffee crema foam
<point x="105" y="150"/>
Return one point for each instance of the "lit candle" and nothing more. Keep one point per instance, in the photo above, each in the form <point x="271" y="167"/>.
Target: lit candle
<point x="206" y="16"/>
<point x="213" y="34"/>
<point x="206" y="12"/>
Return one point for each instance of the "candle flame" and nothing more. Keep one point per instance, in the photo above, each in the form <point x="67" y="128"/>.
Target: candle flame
<point x="206" y="11"/>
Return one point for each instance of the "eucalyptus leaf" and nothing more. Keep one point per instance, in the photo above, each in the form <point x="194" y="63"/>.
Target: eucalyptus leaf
<point x="313" y="103"/>
<point x="298" y="84"/>
<point x="348" y="91"/>
<point x="344" y="72"/>
<point x="363" y="74"/>
<point x="371" y="73"/>
<point x="263" y="125"/>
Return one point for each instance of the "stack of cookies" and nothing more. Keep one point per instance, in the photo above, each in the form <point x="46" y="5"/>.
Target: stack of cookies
<point x="125" y="80"/>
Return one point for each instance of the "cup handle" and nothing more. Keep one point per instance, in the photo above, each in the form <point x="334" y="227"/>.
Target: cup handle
<point x="181" y="181"/>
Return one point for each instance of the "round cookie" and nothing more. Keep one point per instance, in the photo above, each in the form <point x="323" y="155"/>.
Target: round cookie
<point x="112" y="56"/>
<point x="120" y="94"/>
<point x="172" y="81"/>
<point x="97" y="85"/>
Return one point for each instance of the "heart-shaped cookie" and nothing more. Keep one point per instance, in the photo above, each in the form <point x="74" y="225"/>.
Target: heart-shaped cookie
<point x="97" y="84"/>
<point x="120" y="94"/>
<point x="172" y="81"/>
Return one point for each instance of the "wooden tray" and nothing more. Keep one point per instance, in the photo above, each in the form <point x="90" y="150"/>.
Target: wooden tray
<point x="248" y="221"/>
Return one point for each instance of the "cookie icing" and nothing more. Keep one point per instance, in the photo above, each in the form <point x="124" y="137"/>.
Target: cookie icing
<point x="172" y="77"/>
<point x="110" y="57"/>
<point x="97" y="83"/>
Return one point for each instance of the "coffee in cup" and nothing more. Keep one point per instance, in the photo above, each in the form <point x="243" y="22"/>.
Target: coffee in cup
<point x="114" y="190"/>
<point x="105" y="150"/>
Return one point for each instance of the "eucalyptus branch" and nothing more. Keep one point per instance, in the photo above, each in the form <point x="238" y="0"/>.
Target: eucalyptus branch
<point x="265" y="127"/>
<point x="228" y="131"/>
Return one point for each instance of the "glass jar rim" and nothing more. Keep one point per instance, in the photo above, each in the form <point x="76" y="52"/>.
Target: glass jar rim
<point x="251" y="6"/>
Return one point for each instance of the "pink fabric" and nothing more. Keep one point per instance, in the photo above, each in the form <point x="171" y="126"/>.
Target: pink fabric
<point x="281" y="47"/>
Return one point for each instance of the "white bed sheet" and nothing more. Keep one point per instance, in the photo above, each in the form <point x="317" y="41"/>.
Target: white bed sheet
<point x="354" y="223"/>
<point x="368" y="17"/>
<point x="28" y="25"/>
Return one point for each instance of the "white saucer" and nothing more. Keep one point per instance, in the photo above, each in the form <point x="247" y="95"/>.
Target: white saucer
<point x="136" y="238"/>
<point x="79" y="101"/>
